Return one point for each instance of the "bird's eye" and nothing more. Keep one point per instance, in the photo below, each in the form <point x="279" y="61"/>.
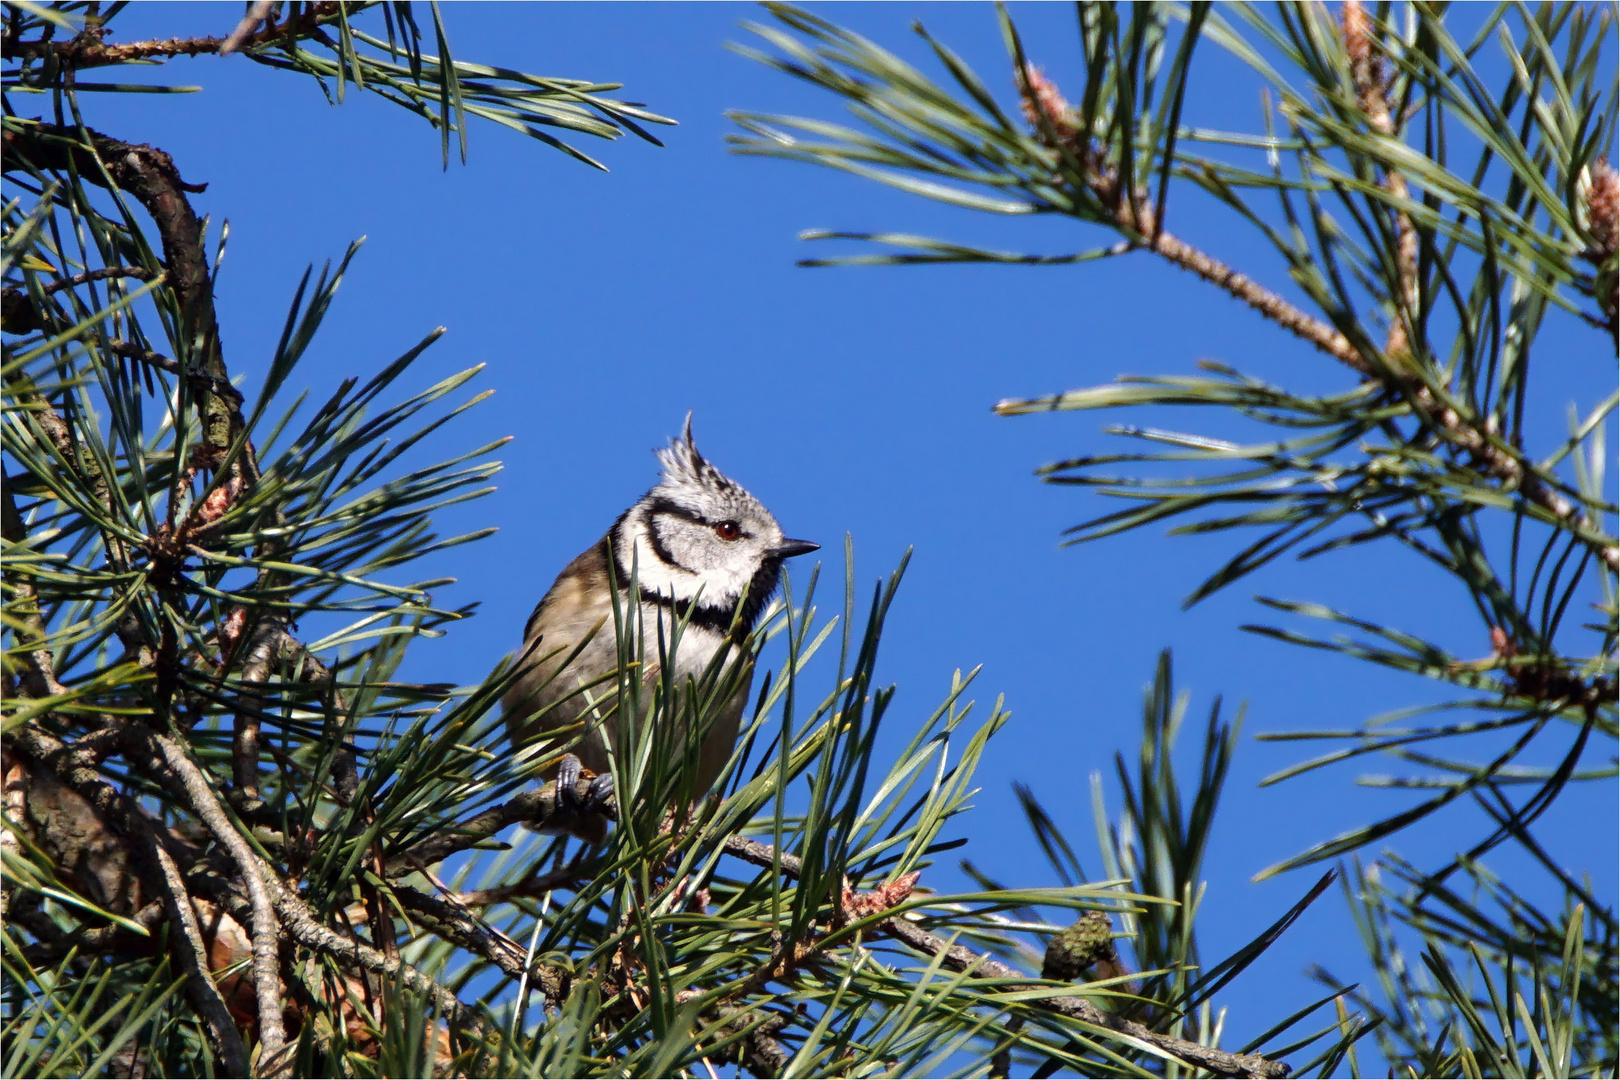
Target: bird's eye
<point x="727" y="530"/>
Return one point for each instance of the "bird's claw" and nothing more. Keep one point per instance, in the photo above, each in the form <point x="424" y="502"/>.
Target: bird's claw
<point x="600" y="792"/>
<point x="568" y="773"/>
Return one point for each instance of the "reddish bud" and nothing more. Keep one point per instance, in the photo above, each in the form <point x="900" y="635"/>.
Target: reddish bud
<point x="1603" y="210"/>
<point x="889" y="894"/>
<point x="1502" y="645"/>
<point x="219" y="500"/>
<point x="1040" y="97"/>
<point x="230" y="631"/>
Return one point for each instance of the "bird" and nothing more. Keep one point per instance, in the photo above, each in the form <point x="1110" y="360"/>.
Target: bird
<point x="698" y="549"/>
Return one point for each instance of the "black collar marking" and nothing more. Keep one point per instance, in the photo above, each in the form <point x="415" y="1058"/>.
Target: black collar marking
<point x="717" y="617"/>
<point x="714" y="617"/>
<point x="708" y="616"/>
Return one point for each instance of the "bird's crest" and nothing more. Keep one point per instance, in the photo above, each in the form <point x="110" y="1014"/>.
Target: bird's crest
<point x="682" y="462"/>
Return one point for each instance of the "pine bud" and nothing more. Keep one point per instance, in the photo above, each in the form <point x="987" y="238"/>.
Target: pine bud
<point x="1040" y="97"/>
<point x="1603" y="218"/>
<point x="1603" y="210"/>
<point x="1090" y="941"/>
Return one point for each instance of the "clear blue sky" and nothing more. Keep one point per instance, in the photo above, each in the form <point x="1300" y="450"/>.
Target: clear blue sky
<point x="853" y="400"/>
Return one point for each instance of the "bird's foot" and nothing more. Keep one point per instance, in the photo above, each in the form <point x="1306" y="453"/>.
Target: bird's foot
<point x="569" y="771"/>
<point x="598" y="793"/>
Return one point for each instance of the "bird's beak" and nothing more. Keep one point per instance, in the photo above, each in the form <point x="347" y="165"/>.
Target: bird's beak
<point x="789" y="548"/>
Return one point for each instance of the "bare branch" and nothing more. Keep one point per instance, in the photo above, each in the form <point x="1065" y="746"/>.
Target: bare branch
<point x="150" y="175"/>
<point x="259" y="653"/>
<point x="131" y="351"/>
<point x="303" y="926"/>
<point x="297" y="919"/>
<point x="20" y="317"/>
<point x="39" y="410"/>
<point x="200" y="986"/>
<point x="1372" y="91"/>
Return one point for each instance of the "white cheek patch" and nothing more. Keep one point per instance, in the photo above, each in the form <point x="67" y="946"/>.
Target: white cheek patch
<point x="725" y="585"/>
<point x="657" y="576"/>
<point x="717" y="586"/>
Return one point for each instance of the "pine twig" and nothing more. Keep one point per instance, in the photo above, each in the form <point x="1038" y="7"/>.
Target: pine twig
<point x="258" y="656"/>
<point x="275" y="1055"/>
<point x="40" y="678"/>
<point x="74" y="765"/>
<point x="961" y="959"/>
<point x="535" y="808"/>
<point x="194" y="958"/>
<point x="20" y="317"/>
<point x="1048" y="112"/>
<point x="464" y="929"/>
<point x="1372" y="92"/>
<point x="87" y="50"/>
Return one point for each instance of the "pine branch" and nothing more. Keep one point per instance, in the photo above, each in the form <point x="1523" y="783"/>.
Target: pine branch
<point x="151" y="176"/>
<point x="961" y="959"/>
<point x="88" y="50"/>
<point x="95" y="941"/>
<point x="541" y="809"/>
<point x="74" y="766"/>
<point x="194" y="960"/>
<point x="259" y="653"/>
<point x="23" y="605"/>
<point x="536" y="809"/>
<point x="19" y="315"/>
<point x="453" y="923"/>
<point x="1133" y="218"/>
<point x="275" y="1057"/>
<point x="266" y="893"/>
<point x="288" y="916"/>
<point x="42" y="415"/>
<point x="1140" y="227"/>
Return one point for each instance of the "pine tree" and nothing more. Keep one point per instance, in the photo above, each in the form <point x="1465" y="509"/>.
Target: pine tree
<point x="232" y="849"/>
<point x="1438" y="202"/>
